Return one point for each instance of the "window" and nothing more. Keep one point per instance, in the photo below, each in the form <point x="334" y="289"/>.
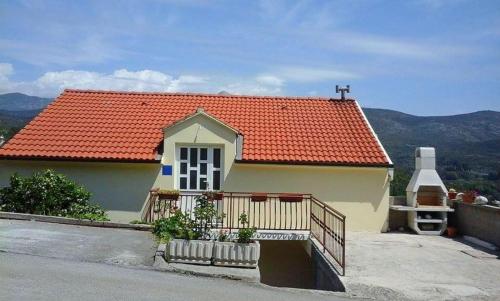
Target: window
<point x="199" y="168"/>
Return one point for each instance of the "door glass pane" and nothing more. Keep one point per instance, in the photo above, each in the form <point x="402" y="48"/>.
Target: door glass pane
<point x="183" y="183"/>
<point x="203" y="168"/>
<point x="203" y="183"/>
<point x="193" y="156"/>
<point x="217" y="157"/>
<point x="184" y="168"/>
<point x="203" y="154"/>
<point x="216" y="180"/>
<point x="184" y="153"/>
<point x="192" y="179"/>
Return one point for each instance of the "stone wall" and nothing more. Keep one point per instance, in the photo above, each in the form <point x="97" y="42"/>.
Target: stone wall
<point x="482" y="222"/>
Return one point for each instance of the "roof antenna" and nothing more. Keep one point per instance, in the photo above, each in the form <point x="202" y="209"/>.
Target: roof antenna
<point x="342" y="91"/>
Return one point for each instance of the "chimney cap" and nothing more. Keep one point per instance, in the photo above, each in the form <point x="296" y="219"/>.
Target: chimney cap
<point x="342" y="90"/>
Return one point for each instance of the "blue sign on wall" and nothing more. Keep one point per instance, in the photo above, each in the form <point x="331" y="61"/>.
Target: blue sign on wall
<point x="166" y="170"/>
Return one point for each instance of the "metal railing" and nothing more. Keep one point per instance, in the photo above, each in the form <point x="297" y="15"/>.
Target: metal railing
<point x="328" y="227"/>
<point x="265" y="211"/>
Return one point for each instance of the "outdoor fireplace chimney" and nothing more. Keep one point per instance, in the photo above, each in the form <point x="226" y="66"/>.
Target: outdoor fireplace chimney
<point x="426" y="195"/>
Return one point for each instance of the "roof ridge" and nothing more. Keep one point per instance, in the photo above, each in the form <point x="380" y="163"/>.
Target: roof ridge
<point x="70" y="90"/>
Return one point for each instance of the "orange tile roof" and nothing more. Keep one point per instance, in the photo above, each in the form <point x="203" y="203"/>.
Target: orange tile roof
<point x="127" y="126"/>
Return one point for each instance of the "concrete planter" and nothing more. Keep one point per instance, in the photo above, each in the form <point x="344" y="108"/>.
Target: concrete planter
<point x="236" y="254"/>
<point x="189" y="251"/>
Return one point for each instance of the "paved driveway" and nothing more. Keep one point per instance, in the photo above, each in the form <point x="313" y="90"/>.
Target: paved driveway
<point x="400" y="266"/>
<point x="106" y="245"/>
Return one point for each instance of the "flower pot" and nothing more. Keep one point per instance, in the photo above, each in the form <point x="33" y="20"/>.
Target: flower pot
<point x="214" y="196"/>
<point x="168" y="196"/>
<point x="259" y="197"/>
<point x="468" y="197"/>
<point x="235" y="254"/>
<point x="451" y="232"/>
<point x="290" y="197"/>
<point x="189" y="251"/>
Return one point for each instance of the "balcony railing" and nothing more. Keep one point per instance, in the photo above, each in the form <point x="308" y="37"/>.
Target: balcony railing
<point x="265" y="211"/>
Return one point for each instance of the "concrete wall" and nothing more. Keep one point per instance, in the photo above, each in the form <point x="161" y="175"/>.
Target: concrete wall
<point x="478" y="221"/>
<point x="121" y="188"/>
<point x="397" y="219"/>
<point x="285" y="263"/>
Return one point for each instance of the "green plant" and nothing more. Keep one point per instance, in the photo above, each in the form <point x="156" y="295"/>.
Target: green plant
<point x="205" y="213"/>
<point x="179" y="225"/>
<point x="245" y="233"/>
<point x="49" y="193"/>
<point x="86" y="211"/>
<point x="223" y="236"/>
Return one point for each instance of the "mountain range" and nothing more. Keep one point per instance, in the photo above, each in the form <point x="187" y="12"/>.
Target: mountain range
<point x="467" y="145"/>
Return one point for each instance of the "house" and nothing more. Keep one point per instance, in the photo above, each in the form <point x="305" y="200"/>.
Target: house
<point x="122" y="144"/>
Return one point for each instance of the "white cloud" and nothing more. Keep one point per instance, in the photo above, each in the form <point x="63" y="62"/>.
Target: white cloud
<point x="5" y="70"/>
<point x="270" y="80"/>
<point x="52" y="83"/>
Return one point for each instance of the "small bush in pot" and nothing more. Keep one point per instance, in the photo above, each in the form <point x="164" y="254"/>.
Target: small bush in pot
<point x="245" y="234"/>
<point x="244" y="253"/>
<point x="177" y="226"/>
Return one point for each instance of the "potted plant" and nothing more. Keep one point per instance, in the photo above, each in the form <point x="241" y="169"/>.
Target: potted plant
<point x="214" y="195"/>
<point x="469" y="196"/>
<point x="452" y="194"/>
<point x="259" y="197"/>
<point x="166" y="194"/>
<point x="188" y="240"/>
<point x="290" y="197"/>
<point x="243" y="253"/>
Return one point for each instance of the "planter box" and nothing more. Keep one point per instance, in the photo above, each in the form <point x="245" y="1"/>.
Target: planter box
<point x="291" y="197"/>
<point x="259" y="197"/>
<point x="189" y="251"/>
<point x="236" y="254"/>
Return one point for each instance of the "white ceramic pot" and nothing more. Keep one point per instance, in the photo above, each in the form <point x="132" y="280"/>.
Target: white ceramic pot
<point x="236" y="254"/>
<point x="189" y="251"/>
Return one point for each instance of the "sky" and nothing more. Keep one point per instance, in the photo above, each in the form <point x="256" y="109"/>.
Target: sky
<point x="423" y="57"/>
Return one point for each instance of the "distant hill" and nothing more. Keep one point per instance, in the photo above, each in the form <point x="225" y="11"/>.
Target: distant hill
<point x="17" y="109"/>
<point x="467" y="145"/>
<point x="22" y="102"/>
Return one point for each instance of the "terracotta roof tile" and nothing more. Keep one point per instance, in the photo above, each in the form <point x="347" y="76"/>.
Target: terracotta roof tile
<point x="105" y="125"/>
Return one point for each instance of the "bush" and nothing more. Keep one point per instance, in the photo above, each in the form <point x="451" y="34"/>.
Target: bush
<point x="245" y="234"/>
<point x="48" y="193"/>
<point x="179" y="225"/>
<point x="86" y="211"/>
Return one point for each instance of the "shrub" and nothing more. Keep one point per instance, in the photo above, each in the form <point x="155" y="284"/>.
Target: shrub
<point x="245" y="234"/>
<point x="48" y="193"/>
<point x="86" y="211"/>
<point x="179" y="225"/>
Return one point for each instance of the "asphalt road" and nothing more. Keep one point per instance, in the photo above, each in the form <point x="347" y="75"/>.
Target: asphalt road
<point x="79" y="243"/>
<point x="41" y="261"/>
<point x="28" y="277"/>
